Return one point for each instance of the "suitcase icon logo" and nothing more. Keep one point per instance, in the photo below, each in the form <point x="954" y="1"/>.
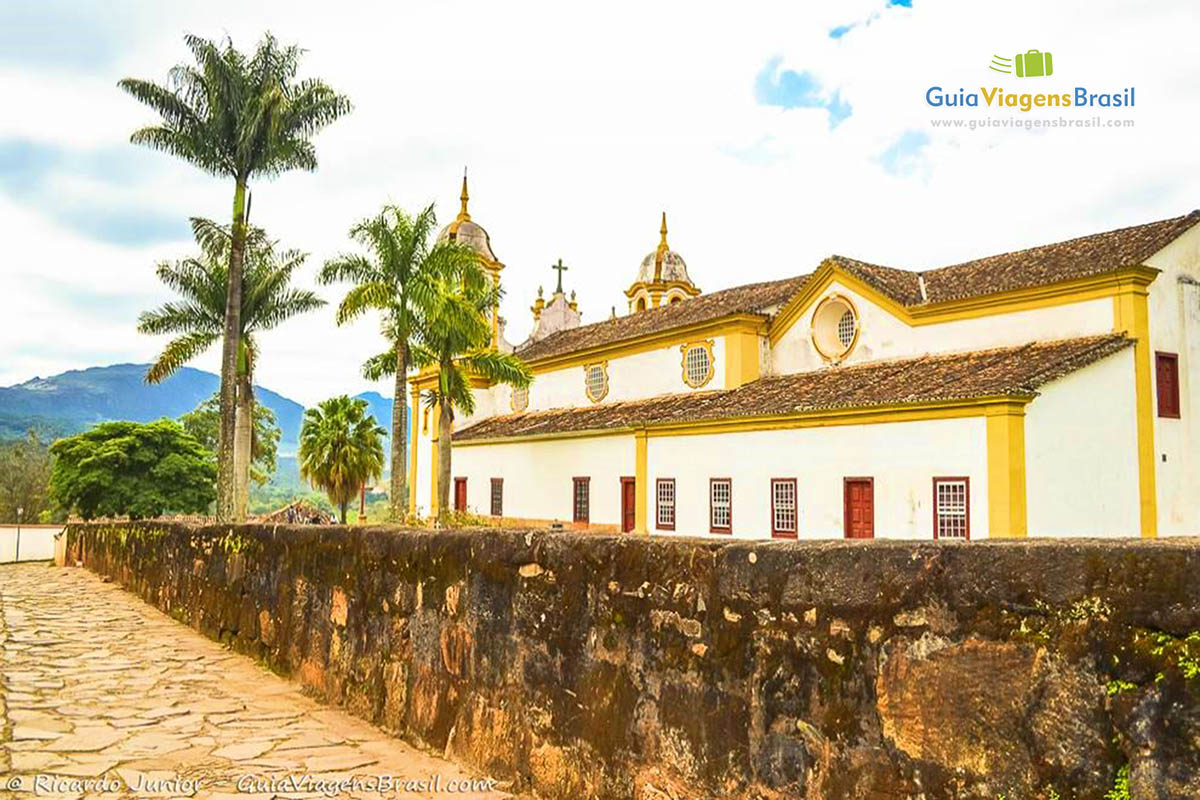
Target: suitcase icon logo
<point x="1030" y="64"/>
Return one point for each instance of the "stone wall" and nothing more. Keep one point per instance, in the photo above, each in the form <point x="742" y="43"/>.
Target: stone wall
<point x="606" y="666"/>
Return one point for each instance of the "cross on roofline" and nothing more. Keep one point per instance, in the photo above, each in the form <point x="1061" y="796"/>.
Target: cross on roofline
<point x="559" y="266"/>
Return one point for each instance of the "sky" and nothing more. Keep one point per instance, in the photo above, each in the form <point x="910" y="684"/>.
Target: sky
<point x="772" y="134"/>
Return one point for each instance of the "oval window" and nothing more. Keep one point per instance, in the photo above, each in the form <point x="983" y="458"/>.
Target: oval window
<point x="596" y="381"/>
<point x="697" y="363"/>
<point x="520" y="399"/>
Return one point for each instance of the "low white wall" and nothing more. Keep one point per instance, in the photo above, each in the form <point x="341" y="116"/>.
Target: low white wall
<point x="37" y="542"/>
<point x="538" y="476"/>
<point x="902" y="458"/>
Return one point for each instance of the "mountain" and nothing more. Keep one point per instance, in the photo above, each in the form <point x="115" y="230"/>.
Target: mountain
<point x="380" y="408"/>
<point x="76" y="400"/>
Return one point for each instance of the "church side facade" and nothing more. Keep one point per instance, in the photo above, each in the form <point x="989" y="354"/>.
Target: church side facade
<point x="1048" y="392"/>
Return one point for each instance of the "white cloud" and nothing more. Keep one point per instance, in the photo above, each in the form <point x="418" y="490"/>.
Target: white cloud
<point x="581" y="124"/>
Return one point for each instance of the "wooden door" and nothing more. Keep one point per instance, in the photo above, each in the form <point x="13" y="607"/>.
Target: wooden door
<point x="860" y="508"/>
<point x="628" y="504"/>
<point x="460" y="494"/>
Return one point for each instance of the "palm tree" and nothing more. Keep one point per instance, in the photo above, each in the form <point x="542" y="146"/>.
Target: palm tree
<point x="395" y="279"/>
<point x="198" y="320"/>
<point x="456" y="337"/>
<point x="241" y="117"/>
<point x="341" y="449"/>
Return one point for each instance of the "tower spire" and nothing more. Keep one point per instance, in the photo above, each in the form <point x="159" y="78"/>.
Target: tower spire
<point x="662" y="248"/>
<point x="464" y="197"/>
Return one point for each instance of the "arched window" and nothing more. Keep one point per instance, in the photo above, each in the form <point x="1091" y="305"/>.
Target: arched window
<point x="641" y="304"/>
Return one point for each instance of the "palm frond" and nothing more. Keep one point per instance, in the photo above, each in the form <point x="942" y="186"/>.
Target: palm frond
<point x="177" y="353"/>
<point x="380" y="366"/>
<point x="499" y="367"/>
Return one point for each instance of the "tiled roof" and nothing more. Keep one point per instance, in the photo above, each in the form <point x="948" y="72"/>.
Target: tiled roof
<point x="754" y="298"/>
<point x="1051" y="263"/>
<point x="901" y="285"/>
<point x="955" y="376"/>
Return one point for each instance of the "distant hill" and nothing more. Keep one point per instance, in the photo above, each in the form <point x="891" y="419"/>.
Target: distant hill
<point x="76" y="400"/>
<point x="380" y="408"/>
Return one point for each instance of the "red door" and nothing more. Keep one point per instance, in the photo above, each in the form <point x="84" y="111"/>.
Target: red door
<point x="460" y="494"/>
<point x="860" y="508"/>
<point x="628" y="504"/>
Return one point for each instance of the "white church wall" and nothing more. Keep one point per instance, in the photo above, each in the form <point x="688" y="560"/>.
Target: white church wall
<point x="538" y="476"/>
<point x="886" y="336"/>
<point x="632" y="377"/>
<point x="424" y="478"/>
<point x="1174" y="307"/>
<point x="902" y="458"/>
<point x="1081" y="463"/>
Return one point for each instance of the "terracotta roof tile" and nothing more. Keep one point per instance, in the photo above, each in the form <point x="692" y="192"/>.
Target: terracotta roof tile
<point x="954" y="376"/>
<point x="753" y="298"/>
<point x="1051" y="263"/>
<point x="1036" y="266"/>
<point x="900" y="284"/>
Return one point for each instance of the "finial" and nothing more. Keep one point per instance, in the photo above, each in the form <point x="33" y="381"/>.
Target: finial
<point x="539" y="291"/>
<point x="662" y="242"/>
<point x="464" y="197"/>
<point x="614" y="313"/>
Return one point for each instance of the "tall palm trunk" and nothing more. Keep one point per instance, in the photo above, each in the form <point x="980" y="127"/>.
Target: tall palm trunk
<point x="399" y="489"/>
<point x="342" y="512"/>
<point x="445" y="427"/>
<point x="243" y="446"/>
<point x="229" y="359"/>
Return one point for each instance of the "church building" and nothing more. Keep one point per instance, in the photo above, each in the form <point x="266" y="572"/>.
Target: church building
<point x="1046" y="392"/>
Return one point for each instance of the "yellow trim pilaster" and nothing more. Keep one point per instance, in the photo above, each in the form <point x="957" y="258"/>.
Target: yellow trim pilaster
<point x="414" y="415"/>
<point x="1131" y="315"/>
<point x="741" y="358"/>
<point x="641" y="482"/>
<point x="436" y="429"/>
<point x="1006" y="471"/>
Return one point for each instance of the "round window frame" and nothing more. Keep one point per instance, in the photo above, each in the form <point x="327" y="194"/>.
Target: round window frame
<point x="823" y="329"/>
<point x="684" y="349"/>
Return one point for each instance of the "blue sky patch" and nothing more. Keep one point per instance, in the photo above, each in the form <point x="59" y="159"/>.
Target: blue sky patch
<point x="790" y="89"/>
<point x="841" y="30"/>
<point x="903" y="156"/>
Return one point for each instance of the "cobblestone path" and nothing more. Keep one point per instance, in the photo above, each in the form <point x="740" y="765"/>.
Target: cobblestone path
<point x="102" y="695"/>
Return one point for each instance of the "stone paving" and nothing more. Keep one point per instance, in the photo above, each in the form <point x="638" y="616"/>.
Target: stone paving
<point x="102" y="695"/>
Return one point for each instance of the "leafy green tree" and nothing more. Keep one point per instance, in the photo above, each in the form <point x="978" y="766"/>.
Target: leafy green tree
<point x="240" y="117"/>
<point x="341" y="449"/>
<point x="24" y="479"/>
<point x="203" y="423"/>
<point x="198" y="320"/>
<point x="130" y="468"/>
<point x="395" y="278"/>
<point x="456" y="337"/>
